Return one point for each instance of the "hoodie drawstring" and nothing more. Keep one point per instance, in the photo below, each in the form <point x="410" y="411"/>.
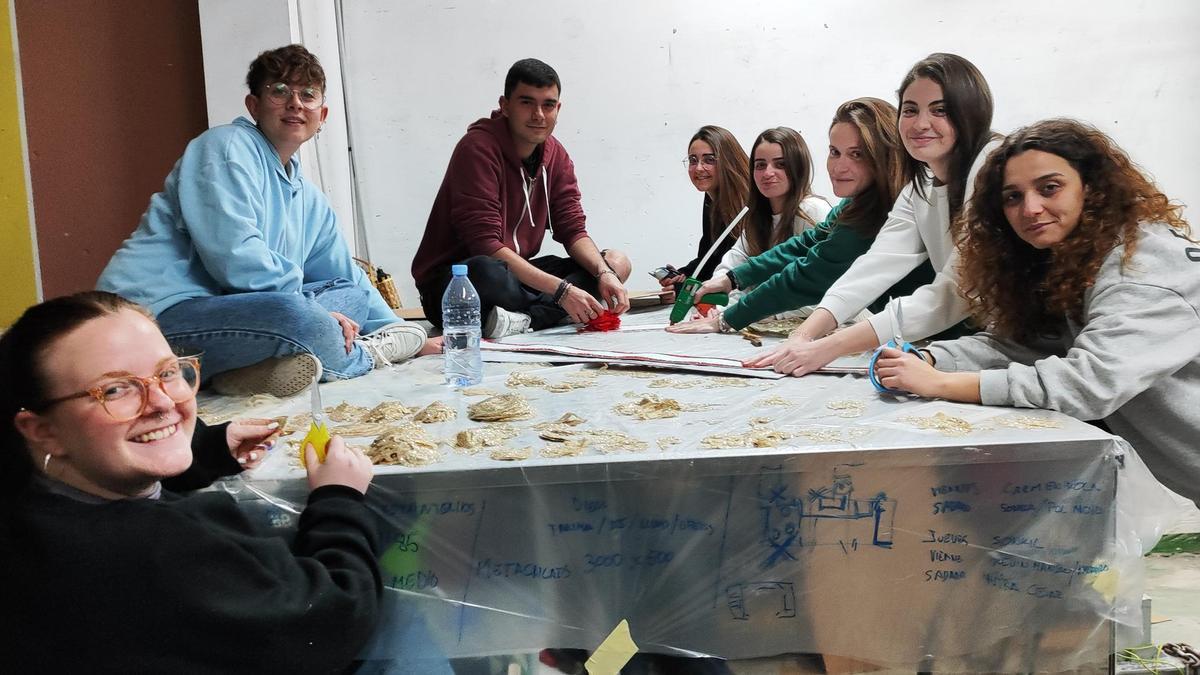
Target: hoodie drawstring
<point x="525" y="188"/>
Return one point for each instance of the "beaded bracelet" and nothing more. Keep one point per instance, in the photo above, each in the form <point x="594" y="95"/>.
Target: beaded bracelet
<point x="561" y="291"/>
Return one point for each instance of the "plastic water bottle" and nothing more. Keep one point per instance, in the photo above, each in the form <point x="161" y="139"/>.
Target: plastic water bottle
<point x="460" y="331"/>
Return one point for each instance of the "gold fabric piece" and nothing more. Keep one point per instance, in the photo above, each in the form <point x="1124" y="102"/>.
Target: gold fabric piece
<point x="502" y="408"/>
<point x="435" y="412"/>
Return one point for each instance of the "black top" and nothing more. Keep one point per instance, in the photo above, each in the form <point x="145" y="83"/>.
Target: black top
<point x="706" y="241"/>
<point x="185" y="584"/>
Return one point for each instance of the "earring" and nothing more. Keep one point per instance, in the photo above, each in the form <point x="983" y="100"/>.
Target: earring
<point x="320" y="129"/>
<point x="46" y="463"/>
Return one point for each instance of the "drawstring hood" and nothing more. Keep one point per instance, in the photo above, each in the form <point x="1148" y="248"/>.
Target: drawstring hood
<point x="489" y="199"/>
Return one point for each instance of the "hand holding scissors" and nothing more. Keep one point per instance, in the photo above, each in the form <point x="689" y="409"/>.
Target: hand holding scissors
<point x="896" y="313"/>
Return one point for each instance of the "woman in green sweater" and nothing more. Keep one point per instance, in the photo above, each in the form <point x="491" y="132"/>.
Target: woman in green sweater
<point x="867" y="170"/>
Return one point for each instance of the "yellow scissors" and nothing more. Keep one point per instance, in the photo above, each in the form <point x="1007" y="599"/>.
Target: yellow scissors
<point x="318" y="433"/>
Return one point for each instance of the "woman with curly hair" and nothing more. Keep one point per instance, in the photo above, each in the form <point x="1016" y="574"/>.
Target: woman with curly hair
<point x="867" y="169"/>
<point x="1089" y="281"/>
<point x="945" y="123"/>
<point x="718" y="167"/>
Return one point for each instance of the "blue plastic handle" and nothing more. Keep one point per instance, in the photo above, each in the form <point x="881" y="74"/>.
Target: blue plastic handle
<point x="891" y="344"/>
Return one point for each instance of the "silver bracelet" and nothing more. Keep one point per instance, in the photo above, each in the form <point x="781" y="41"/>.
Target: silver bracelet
<point x="606" y="270"/>
<point x="723" y="325"/>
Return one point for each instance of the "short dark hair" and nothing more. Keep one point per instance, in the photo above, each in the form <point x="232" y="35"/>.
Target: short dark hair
<point x="23" y="349"/>
<point x="289" y="64"/>
<point x="533" y="72"/>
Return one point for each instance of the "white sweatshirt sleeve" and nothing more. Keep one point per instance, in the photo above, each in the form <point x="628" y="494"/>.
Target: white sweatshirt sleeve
<point x="897" y="250"/>
<point x="939" y="304"/>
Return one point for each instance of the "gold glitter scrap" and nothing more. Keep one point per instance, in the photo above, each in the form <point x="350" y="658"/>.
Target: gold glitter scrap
<point x="363" y="429"/>
<point x="570" y="385"/>
<point x="616" y="441"/>
<point x="558" y="432"/>
<point x="484" y="437"/>
<point x="521" y="379"/>
<point x="776" y="327"/>
<point x="388" y="411"/>
<point x="760" y="421"/>
<point x="650" y="407"/>
<point x="406" y="446"/>
<point x="776" y="400"/>
<point x="754" y="438"/>
<point x="510" y="454"/>
<point x="297" y="423"/>
<point x="344" y="412"/>
<point x="571" y="448"/>
<point x="942" y="423"/>
<point x="1027" y="422"/>
<point x="847" y="408"/>
<point x="752" y="337"/>
<point x="667" y="441"/>
<point x="568" y="418"/>
<point x="479" y="391"/>
<point x="261" y="399"/>
<point x="502" y="408"/>
<point x="435" y="412"/>
<point x="707" y="382"/>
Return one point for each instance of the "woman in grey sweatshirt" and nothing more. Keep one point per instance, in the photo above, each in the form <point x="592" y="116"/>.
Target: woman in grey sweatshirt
<point x="1088" y="279"/>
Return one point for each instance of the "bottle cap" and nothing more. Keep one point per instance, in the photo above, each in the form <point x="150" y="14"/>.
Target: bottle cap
<point x="458" y="270"/>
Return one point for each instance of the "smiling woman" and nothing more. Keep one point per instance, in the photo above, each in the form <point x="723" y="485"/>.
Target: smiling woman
<point x="98" y="425"/>
<point x="1082" y="268"/>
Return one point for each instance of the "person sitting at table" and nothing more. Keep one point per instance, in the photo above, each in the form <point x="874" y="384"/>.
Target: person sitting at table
<point x="1089" y="279"/>
<point x="241" y="258"/>
<point x="106" y="568"/>
<point x="718" y="167"/>
<point x="945" y="124"/>
<point x="509" y="182"/>
<point x="781" y="201"/>
<point x="866" y="167"/>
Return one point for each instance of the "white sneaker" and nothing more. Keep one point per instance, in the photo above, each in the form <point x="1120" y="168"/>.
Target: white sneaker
<point x="393" y="343"/>
<point x="282" y="377"/>
<point x="502" y="323"/>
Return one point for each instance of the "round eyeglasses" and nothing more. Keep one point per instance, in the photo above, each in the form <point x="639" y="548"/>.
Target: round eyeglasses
<point x="126" y="398"/>
<point x="707" y="159"/>
<point x="280" y="94"/>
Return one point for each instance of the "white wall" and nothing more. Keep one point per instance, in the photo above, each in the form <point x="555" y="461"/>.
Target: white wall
<point x="639" y="77"/>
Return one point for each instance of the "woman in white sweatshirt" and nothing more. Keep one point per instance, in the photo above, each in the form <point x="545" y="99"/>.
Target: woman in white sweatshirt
<point x="1089" y="279"/>
<point x="945" y="124"/>
<point x="782" y="203"/>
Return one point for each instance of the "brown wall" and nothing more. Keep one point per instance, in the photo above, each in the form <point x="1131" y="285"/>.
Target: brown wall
<point x="113" y="92"/>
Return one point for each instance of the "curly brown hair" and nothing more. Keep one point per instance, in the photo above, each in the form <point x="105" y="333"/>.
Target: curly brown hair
<point x="289" y="64"/>
<point x="1020" y="290"/>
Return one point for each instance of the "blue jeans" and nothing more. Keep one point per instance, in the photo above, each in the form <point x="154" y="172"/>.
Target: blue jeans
<point x="242" y="329"/>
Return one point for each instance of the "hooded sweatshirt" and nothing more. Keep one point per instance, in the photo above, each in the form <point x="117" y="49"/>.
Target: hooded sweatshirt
<point x="488" y="201"/>
<point x="1134" y="362"/>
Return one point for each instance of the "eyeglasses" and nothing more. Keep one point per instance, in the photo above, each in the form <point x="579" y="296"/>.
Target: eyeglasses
<point x="707" y="159"/>
<point x="280" y="94"/>
<point x="126" y="398"/>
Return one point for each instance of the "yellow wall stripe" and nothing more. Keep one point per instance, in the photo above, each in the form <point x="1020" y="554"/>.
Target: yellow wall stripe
<point x="19" y="279"/>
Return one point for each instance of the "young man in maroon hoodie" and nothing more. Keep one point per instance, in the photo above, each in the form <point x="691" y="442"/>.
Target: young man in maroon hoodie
<point x="510" y="180"/>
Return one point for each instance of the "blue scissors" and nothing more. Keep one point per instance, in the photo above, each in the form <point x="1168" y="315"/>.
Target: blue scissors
<point x="897" y="342"/>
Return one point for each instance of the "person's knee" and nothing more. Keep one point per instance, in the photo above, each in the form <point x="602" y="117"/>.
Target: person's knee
<point x="303" y="320"/>
<point x="619" y="262"/>
<point x="485" y="270"/>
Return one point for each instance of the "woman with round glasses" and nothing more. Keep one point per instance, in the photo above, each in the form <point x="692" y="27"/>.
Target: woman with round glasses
<point x="105" y="567"/>
<point x="242" y="258"/>
<point x="718" y="167"/>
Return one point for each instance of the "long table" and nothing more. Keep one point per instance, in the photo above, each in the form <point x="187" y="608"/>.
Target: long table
<point x="908" y="533"/>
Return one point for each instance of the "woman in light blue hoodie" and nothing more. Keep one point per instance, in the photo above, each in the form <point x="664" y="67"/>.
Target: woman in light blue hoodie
<point x="241" y="258"/>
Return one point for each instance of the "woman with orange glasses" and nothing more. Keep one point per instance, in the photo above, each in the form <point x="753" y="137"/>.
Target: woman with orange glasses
<point x="98" y="421"/>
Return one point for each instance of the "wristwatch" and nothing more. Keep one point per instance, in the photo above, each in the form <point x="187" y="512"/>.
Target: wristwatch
<point x="723" y="325"/>
<point x="733" y="283"/>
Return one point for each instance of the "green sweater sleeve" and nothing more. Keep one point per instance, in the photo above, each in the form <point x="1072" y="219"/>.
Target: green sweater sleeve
<point x="821" y="255"/>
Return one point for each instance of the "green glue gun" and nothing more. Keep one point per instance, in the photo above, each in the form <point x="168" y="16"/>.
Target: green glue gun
<point x="687" y="292"/>
<point x="684" y="300"/>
